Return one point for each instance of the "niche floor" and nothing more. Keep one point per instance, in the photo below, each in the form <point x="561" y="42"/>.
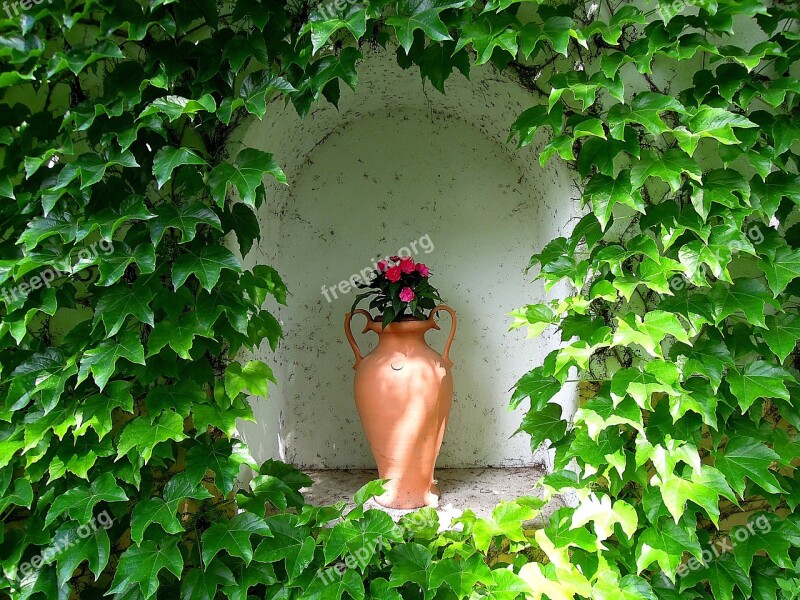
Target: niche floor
<point x="477" y="489"/>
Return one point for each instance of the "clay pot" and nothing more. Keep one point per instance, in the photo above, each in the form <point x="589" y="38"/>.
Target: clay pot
<point x="403" y="392"/>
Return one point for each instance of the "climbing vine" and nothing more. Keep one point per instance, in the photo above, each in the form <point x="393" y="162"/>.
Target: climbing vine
<point x="126" y="209"/>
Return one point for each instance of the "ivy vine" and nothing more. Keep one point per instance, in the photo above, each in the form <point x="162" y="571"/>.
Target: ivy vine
<point x="123" y="307"/>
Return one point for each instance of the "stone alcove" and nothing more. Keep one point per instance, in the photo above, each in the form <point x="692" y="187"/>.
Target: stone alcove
<point x="399" y="162"/>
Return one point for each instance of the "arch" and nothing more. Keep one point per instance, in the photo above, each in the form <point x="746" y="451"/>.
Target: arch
<point x="485" y="209"/>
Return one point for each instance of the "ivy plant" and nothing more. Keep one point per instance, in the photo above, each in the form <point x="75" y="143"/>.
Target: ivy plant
<point x="126" y="209"/>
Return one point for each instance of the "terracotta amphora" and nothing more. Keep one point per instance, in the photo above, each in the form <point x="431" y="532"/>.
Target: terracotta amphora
<point x="403" y="392"/>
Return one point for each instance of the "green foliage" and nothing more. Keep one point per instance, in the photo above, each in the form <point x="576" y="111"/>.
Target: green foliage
<point x="124" y="303"/>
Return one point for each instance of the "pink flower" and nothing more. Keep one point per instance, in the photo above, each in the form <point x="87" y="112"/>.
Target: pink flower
<point x="407" y="294"/>
<point x="382" y="266"/>
<point x="407" y="265"/>
<point x="423" y="269"/>
<point x="393" y="274"/>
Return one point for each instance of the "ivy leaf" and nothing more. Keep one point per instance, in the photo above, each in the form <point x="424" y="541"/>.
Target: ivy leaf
<point x="336" y="585"/>
<point x="536" y="385"/>
<point x="605" y="192"/>
<point x="664" y="543"/>
<point x="645" y="109"/>
<point x="650" y="332"/>
<point x="247" y="175"/>
<point x="353" y="18"/>
<point x="101" y="361"/>
<point x="253" y="377"/>
<point x="167" y="159"/>
<point x="144" y="433"/>
<point x="98" y="410"/>
<point x="222" y="457"/>
<point x="113" y="265"/>
<point x="289" y="542"/>
<point x="544" y="424"/>
<point x="140" y="565"/>
<point x="723" y="574"/>
<point x="120" y="302"/>
<point x="745" y="457"/>
<point x="234" y="537"/>
<point x="78" y="546"/>
<point x="758" y="379"/>
<point x="206" y="265"/>
<point x="781" y="334"/>
<point x="703" y="488"/>
<point x="746" y="295"/>
<point x="411" y="563"/>
<point x="427" y="20"/>
<point x="79" y="501"/>
<point x="507" y="520"/>
<point x="184" y="218"/>
<point x="361" y="537"/>
<point x="153" y="510"/>
<point x="669" y="167"/>
<point x="764" y="532"/>
<point x="461" y="575"/>
<point x="781" y="269"/>
<point x="202" y="584"/>
<point x="178" y="335"/>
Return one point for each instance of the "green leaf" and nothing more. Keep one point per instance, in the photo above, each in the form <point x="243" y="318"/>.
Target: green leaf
<point x="185" y="218"/>
<point x="202" y="584"/>
<point x="411" y="563"/>
<point x="233" y="536"/>
<point x="507" y="521"/>
<point x="669" y="167"/>
<point x="206" y="265"/>
<point x="605" y="192"/>
<point x="101" y="361"/>
<point x="723" y="574"/>
<point x="140" y="566"/>
<point x="781" y="334"/>
<point x="544" y="424"/>
<point x="781" y="269"/>
<point x="289" y="542"/>
<point x="154" y="510"/>
<point x="79" y="501"/>
<point x="461" y="575"/>
<point x="143" y="434"/>
<point x="703" y="488"/>
<point x="167" y="159"/>
<point x="120" y="302"/>
<point x="78" y="546"/>
<point x="253" y="377"/>
<point x="247" y="175"/>
<point x="426" y="20"/>
<point x="745" y="457"/>
<point x="758" y="379"/>
<point x="353" y="18"/>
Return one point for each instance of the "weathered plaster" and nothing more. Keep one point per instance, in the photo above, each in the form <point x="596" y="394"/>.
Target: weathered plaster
<point x="396" y="162"/>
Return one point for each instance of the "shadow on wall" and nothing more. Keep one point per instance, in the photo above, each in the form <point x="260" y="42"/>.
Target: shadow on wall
<point x="366" y="188"/>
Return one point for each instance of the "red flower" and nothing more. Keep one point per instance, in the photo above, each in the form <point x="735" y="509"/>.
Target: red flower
<point x="423" y="269"/>
<point x="407" y="265"/>
<point x="382" y="266"/>
<point x="393" y="274"/>
<point x="407" y="294"/>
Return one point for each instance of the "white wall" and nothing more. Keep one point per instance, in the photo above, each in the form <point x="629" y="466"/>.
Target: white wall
<point x="399" y="161"/>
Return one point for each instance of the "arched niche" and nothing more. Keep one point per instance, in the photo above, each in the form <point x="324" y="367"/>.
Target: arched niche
<point x="398" y="162"/>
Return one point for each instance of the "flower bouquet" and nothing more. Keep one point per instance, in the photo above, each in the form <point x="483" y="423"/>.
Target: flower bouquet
<point x="400" y="290"/>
